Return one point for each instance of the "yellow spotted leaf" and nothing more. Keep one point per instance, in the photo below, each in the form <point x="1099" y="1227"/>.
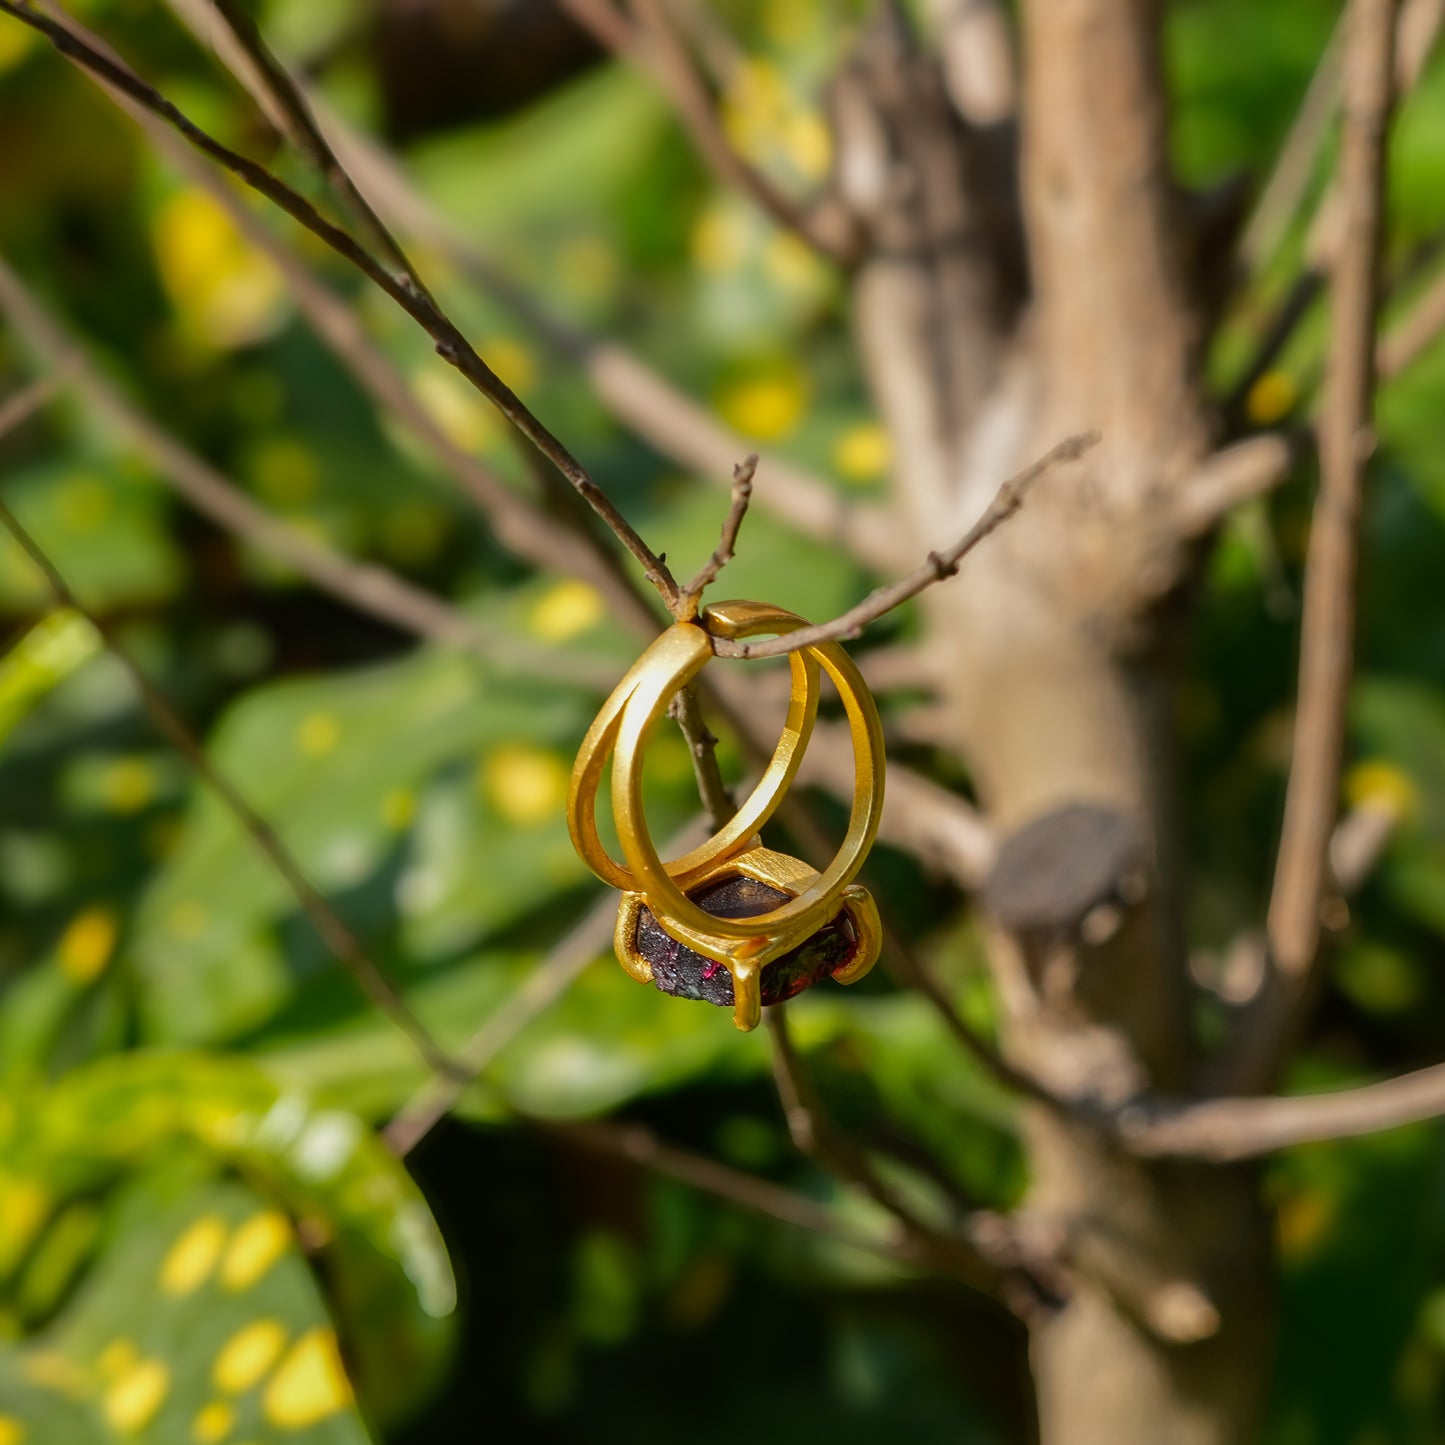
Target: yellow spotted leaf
<point x="309" y="1385"/>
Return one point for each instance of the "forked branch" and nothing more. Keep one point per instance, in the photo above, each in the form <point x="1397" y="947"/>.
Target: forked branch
<point x="940" y="565"/>
<point x="402" y="287"/>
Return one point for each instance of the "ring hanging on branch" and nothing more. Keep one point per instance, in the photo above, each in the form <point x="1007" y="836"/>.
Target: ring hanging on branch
<point x="737" y="940"/>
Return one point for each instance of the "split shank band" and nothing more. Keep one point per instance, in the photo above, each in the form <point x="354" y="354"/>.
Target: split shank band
<point x="742" y="945"/>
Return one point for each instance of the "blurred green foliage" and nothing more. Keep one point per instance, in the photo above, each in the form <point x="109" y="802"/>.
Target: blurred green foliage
<point x="200" y="1235"/>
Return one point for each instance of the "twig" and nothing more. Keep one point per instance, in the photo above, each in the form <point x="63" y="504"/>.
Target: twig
<point x="403" y="289"/>
<point x="1409" y="339"/>
<point x="984" y="1253"/>
<point x="518" y="524"/>
<point x="300" y="128"/>
<point x="1417" y="27"/>
<point x="1222" y="1130"/>
<point x="920" y="817"/>
<point x="1285" y="189"/>
<point x="548" y="982"/>
<point x="282" y="98"/>
<point x="686" y="712"/>
<point x="371" y="589"/>
<point x="650" y="41"/>
<point x="18" y="409"/>
<point x="1346" y="441"/>
<point x="642" y="1147"/>
<point x="640" y="397"/>
<point x="723" y="554"/>
<point x="1232" y="476"/>
<point x="333" y="933"/>
<point x="940" y="565"/>
<point x="562" y="967"/>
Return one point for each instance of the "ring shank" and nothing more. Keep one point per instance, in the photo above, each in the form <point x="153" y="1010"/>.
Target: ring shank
<point x="770" y="934"/>
<point x="678" y="655"/>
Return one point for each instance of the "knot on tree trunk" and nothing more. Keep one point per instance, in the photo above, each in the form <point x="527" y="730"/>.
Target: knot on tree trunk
<point x="1069" y="874"/>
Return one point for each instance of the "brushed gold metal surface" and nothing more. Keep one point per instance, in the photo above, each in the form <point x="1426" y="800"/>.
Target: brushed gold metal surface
<point x="742" y="945"/>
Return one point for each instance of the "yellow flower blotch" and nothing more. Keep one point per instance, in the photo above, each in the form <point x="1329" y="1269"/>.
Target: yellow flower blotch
<point x="511" y="361"/>
<point x="1271" y="398"/>
<point x="86" y="946"/>
<point x="193" y="1256"/>
<point x="318" y="734"/>
<point x="213" y="1424"/>
<point x="286" y="471"/>
<point x="526" y="785"/>
<point x="128" y="785"/>
<point x="247" y="1356"/>
<point x="256" y="1246"/>
<point x="567" y="610"/>
<point x="863" y="452"/>
<point x="118" y="1358"/>
<point x="226" y="291"/>
<point x="12" y="1432"/>
<point x="766" y="406"/>
<point x="130" y="1404"/>
<point x="720" y="240"/>
<point x="309" y="1385"/>
<point x="459" y="411"/>
<point x="1378" y="784"/>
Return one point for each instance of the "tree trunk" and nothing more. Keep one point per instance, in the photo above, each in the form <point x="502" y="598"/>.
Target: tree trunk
<point x="1053" y="650"/>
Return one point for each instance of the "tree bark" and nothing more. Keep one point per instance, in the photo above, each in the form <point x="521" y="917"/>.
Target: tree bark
<point x="1053" y="652"/>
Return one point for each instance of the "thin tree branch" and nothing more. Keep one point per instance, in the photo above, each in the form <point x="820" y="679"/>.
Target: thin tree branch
<point x="404" y="289"/>
<point x="665" y="417"/>
<point x="940" y="565"/>
<point x="300" y="128"/>
<point x="649" y="41"/>
<point x="582" y="946"/>
<point x="1346" y="441"/>
<point x="1283" y="192"/>
<point x="518" y="524"/>
<point x="985" y="1252"/>
<point x="562" y="967"/>
<point x="19" y="408"/>
<point x="1223" y="1130"/>
<point x="1232" y="476"/>
<point x="1417" y="28"/>
<point x="333" y="933"/>
<point x="369" y="588"/>
<point x="1411" y="337"/>
<point x="723" y="554"/>
<point x="528" y="531"/>
<point x="642" y="1147"/>
<point x="282" y="98"/>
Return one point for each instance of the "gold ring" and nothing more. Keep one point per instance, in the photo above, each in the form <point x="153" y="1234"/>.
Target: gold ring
<point x="743" y="945"/>
<point x="767" y="935"/>
<point x="681" y="652"/>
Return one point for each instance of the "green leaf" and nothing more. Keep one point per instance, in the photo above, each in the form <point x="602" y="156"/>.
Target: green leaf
<point x="202" y="1322"/>
<point x="43" y="658"/>
<point x="98" y="521"/>
<point x="384" y="1257"/>
<point x="428" y="790"/>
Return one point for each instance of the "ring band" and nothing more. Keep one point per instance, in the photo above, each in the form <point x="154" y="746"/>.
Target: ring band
<point x="759" y="939"/>
<point x="681" y="652"/>
<point x="743" y="945"/>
